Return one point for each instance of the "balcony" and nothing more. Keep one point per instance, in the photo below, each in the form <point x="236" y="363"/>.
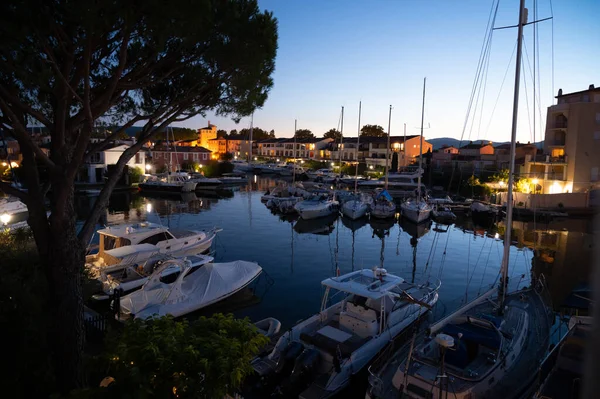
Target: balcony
<point x="560" y="125"/>
<point x="557" y="142"/>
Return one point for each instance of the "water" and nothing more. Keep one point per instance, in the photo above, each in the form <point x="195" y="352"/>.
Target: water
<point x="297" y="255"/>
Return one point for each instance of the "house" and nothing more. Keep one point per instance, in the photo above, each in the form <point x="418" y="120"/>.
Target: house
<point x="206" y="134"/>
<point x="570" y="161"/>
<point x="10" y="152"/>
<point x="236" y="144"/>
<point x="174" y="157"/>
<point x="476" y="149"/>
<point x="448" y="149"/>
<point x="408" y="149"/>
<point x="309" y="148"/>
<point x="522" y="150"/>
<point x="94" y="170"/>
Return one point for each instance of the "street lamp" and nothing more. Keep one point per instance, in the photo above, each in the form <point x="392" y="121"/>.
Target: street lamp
<point x="148" y="207"/>
<point x="5" y="218"/>
<point x="371" y="167"/>
<point x="148" y="167"/>
<point x="501" y="183"/>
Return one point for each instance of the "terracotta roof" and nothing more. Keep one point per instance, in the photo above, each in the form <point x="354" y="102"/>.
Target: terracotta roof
<point x="179" y="148"/>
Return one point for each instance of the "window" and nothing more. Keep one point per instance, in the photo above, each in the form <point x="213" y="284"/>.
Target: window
<point x="558" y="152"/>
<point x="204" y="156"/>
<point x="138" y="158"/>
<point x="185" y="156"/>
<point x="594" y="174"/>
<point x="597" y="135"/>
<point x="598" y="117"/>
<point x="158" y="155"/>
<point x="195" y="157"/>
<point x="597" y="98"/>
<point x="155" y="239"/>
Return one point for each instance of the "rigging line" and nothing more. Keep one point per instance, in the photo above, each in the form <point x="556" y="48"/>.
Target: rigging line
<point x="485" y="267"/>
<point x="488" y="31"/>
<point x="526" y="95"/>
<point x="534" y="59"/>
<point x="532" y="74"/>
<point x="475" y="266"/>
<point x="487" y="68"/>
<point x="444" y="256"/>
<point x="501" y="86"/>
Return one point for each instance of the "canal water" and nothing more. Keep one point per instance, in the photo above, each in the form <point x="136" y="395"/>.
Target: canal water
<point x="297" y="255"/>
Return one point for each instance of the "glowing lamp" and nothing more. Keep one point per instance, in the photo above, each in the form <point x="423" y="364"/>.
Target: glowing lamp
<point x="148" y="207"/>
<point x="148" y="167"/>
<point x="5" y="218"/>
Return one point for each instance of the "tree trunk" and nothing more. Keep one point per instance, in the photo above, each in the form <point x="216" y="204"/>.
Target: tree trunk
<point x="64" y="264"/>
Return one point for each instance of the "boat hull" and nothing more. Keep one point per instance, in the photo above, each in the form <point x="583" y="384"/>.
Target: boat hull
<point x="355" y="209"/>
<point x="315" y="211"/>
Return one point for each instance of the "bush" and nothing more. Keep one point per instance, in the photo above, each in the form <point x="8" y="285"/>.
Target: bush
<point x="190" y="166"/>
<point x="205" y="358"/>
<point x="216" y="169"/>
<point x="135" y="175"/>
<point x="226" y="156"/>
<point x="27" y="369"/>
<point x="312" y="164"/>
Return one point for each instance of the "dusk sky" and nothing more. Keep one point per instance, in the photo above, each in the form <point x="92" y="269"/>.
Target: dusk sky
<point x="333" y="53"/>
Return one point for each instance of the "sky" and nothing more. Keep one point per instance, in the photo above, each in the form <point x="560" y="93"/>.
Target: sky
<point x="336" y="53"/>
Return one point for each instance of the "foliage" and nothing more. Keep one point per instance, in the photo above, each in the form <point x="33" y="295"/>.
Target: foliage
<point x="190" y="166"/>
<point x="205" y="358"/>
<point x="332" y="134"/>
<point x="226" y="156"/>
<point x="135" y="175"/>
<point x="315" y="165"/>
<point x="103" y="133"/>
<point x="215" y="168"/>
<point x="182" y="133"/>
<point x="304" y="134"/>
<point x="350" y="169"/>
<point x="395" y="161"/>
<point x="257" y="133"/>
<point x="523" y="185"/>
<point x="223" y="133"/>
<point x="473" y="181"/>
<point x="501" y="176"/>
<point x="372" y="131"/>
<point x="23" y="316"/>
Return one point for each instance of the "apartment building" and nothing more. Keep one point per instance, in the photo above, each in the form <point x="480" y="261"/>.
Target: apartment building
<point x="570" y="161"/>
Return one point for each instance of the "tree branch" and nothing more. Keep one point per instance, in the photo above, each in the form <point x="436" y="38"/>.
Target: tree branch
<point x="15" y="101"/>
<point x="23" y="137"/>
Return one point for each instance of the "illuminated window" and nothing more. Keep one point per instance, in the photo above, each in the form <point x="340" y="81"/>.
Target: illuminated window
<point x="558" y="152"/>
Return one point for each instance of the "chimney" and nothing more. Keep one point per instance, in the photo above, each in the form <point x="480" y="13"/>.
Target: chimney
<point x="209" y="123"/>
<point x="591" y="87"/>
<point x="560" y="92"/>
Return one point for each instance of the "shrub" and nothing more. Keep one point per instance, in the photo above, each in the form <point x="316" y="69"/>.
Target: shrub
<point x="135" y="175"/>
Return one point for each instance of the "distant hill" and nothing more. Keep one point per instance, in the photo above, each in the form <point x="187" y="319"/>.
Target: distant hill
<point x="449" y="141"/>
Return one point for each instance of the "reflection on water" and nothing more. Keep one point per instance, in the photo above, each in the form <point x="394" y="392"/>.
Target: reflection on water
<point x="298" y="254"/>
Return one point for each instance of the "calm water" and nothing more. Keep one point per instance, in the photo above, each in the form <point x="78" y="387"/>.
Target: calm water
<point x="297" y="255"/>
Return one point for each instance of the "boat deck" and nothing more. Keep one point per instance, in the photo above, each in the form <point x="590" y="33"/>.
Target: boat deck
<point x="183" y="233"/>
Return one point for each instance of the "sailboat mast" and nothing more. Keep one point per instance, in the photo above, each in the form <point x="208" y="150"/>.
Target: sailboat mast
<point x="357" y="145"/>
<point x="421" y="145"/>
<point x="294" y="166"/>
<point x="513" y="141"/>
<point x="387" y="148"/>
<point x="341" y="146"/>
<point x="250" y="151"/>
<point x="404" y="148"/>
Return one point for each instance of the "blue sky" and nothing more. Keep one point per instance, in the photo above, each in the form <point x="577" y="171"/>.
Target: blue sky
<point x="335" y="53"/>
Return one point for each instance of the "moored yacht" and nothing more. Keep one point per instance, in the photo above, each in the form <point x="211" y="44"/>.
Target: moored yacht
<point x="317" y="357"/>
<point x="126" y="244"/>
<point x="416" y="210"/>
<point x="175" y="182"/>
<point x="384" y="206"/>
<point x="316" y="207"/>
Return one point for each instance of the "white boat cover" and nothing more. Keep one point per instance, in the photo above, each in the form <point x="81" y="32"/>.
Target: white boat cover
<point x="191" y="291"/>
<point x="128" y="250"/>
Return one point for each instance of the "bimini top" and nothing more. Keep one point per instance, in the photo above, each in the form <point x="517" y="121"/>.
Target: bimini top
<point x="128" y="250"/>
<point x="137" y="229"/>
<point x="372" y="284"/>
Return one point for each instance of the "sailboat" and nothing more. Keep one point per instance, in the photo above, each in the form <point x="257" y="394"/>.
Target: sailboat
<point x="358" y="205"/>
<point x="418" y="210"/>
<point x="489" y="347"/>
<point x="384" y="206"/>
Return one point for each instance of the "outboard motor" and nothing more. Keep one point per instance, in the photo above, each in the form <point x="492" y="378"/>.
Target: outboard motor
<point x="304" y="371"/>
<point x="288" y="355"/>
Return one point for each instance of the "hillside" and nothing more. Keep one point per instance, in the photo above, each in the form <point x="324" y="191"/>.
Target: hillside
<point x="449" y="141"/>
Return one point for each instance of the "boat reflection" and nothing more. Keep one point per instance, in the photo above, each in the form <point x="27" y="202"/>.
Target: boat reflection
<point x="354" y="225"/>
<point x="321" y="226"/>
<point x="416" y="231"/>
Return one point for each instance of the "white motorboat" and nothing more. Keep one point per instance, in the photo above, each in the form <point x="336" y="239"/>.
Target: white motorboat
<point x="416" y="210"/>
<point x="241" y="166"/>
<point x="287" y="205"/>
<point x="175" y="182"/>
<point x="288" y="170"/>
<point x="443" y="214"/>
<point x="193" y="286"/>
<point x="318" y="356"/>
<point x="316" y="208"/>
<point x="132" y="276"/>
<point x="132" y="243"/>
<point x="266" y="169"/>
<point x="384" y="206"/>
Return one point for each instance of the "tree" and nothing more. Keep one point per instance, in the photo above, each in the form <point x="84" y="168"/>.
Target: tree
<point x="223" y="133"/>
<point x="151" y="65"/>
<point x="205" y="358"/>
<point x="183" y="133"/>
<point x="304" y="134"/>
<point x="372" y="131"/>
<point x="395" y="161"/>
<point x="332" y="134"/>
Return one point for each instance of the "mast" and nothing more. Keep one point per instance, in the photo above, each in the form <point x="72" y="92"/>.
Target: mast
<point x="421" y="145"/>
<point x="251" y="127"/>
<point x="341" y="140"/>
<point x="294" y="166"/>
<point x="387" y="149"/>
<point x="357" y="145"/>
<point x="404" y="148"/>
<point x="513" y="141"/>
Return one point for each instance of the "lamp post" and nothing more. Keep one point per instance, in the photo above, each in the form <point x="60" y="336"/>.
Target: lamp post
<point x="5" y="218"/>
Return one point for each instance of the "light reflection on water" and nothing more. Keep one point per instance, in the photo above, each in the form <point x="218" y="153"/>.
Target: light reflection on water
<point x="299" y="254"/>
